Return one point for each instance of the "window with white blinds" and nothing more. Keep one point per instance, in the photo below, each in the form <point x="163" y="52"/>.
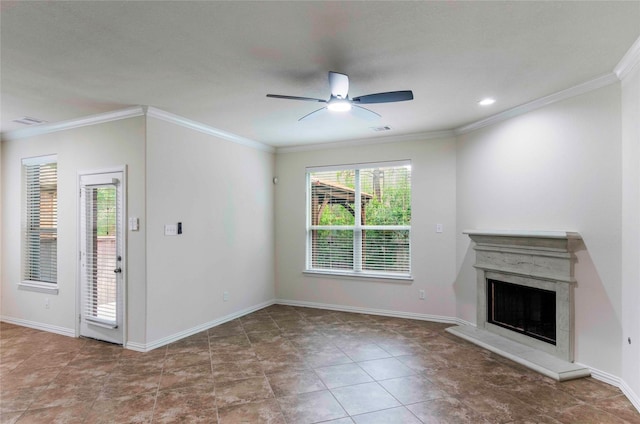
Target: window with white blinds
<point x="40" y="252"/>
<point x="359" y="219"/>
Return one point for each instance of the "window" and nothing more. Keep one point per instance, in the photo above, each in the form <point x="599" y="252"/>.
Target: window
<point x="40" y="253"/>
<point x="368" y="237"/>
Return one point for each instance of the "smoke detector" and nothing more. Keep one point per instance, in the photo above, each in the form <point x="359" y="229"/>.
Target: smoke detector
<point x="383" y="128"/>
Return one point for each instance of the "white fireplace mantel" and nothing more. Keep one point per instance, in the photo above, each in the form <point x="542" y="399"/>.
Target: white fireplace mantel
<point x="539" y="259"/>
<point x="546" y="255"/>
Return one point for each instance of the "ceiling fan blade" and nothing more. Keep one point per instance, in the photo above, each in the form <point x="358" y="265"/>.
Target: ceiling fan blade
<point x="364" y="113"/>
<point x="339" y="84"/>
<point x="388" y="97"/>
<point x="313" y="114"/>
<point x="307" y="99"/>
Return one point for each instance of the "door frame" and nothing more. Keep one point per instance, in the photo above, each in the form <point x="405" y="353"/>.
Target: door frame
<point x="79" y="241"/>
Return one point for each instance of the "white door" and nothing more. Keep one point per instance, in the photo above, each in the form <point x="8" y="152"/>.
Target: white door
<point x="101" y="256"/>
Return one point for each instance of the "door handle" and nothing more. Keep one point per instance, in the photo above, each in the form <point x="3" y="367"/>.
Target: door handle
<point x="117" y="270"/>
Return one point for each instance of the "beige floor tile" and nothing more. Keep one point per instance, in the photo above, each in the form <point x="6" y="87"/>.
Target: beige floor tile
<point x="586" y="414"/>
<point x="242" y="391"/>
<point x="365" y="352"/>
<point x="261" y="412"/>
<point x="184" y="360"/>
<point x="120" y="386"/>
<point x="10" y="417"/>
<point x="58" y="414"/>
<point x="445" y="411"/>
<point x="311" y="407"/>
<point x="195" y="375"/>
<point x="363" y="398"/>
<point x="620" y="407"/>
<point x="383" y="369"/>
<point x="186" y="405"/>
<point x="295" y="382"/>
<point x="239" y="370"/>
<point x="412" y="389"/>
<point x="387" y="416"/>
<point x="288" y="362"/>
<point x="342" y="375"/>
<point x="500" y="406"/>
<point x="131" y="409"/>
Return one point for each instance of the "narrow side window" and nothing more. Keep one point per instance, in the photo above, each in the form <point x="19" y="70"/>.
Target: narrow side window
<point x="40" y="207"/>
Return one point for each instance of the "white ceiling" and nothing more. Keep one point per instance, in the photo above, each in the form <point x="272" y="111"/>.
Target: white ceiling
<point x="214" y="62"/>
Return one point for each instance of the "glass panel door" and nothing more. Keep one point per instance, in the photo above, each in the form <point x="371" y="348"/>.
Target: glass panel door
<point x="101" y="261"/>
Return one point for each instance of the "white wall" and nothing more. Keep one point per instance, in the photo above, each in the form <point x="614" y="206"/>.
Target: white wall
<point x="631" y="231"/>
<point x="92" y="147"/>
<point x="433" y="201"/>
<point x="556" y="168"/>
<point x="223" y="194"/>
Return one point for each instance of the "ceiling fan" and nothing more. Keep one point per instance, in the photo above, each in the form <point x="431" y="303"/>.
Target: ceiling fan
<point x="340" y="101"/>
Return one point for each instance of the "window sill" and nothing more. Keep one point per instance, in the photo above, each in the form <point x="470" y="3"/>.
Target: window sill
<point x="401" y="279"/>
<point x="39" y="287"/>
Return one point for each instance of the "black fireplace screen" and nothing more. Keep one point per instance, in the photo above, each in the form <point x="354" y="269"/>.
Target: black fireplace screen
<point x="523" y="309"/>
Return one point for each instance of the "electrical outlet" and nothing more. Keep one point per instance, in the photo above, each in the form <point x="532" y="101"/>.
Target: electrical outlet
<point x="46" y="303"/>
<point x="439" y="228"/>
<point x="225" y="296"/>
<point x="421" y="294"/>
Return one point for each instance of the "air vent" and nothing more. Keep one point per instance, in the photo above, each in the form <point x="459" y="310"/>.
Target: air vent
<point x="378" y="129"/>
<point x="26" y="120"/>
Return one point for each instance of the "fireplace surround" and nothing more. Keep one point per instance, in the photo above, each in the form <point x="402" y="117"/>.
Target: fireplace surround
<point x="542" y="263"/>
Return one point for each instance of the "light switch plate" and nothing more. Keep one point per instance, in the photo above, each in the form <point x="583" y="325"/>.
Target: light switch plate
<point x="170" y="230"/>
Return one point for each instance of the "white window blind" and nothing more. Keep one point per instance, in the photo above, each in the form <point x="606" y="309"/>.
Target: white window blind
<point x="367" y="236"/>
<point x="40" y="252"/>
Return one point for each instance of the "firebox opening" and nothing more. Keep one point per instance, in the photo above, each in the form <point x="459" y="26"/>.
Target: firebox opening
<point x="526" y="310"/>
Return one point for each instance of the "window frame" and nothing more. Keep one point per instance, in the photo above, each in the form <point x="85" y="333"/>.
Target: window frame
<point x="358" y="229"/>
<point x="28" y="210"/>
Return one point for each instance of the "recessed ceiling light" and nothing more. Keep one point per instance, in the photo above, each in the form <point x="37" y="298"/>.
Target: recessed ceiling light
<point x="486" y="102"/>
<point x="27" y="120"/>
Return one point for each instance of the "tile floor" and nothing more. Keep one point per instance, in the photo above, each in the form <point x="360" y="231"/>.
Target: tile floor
<point x="286" y="364"/>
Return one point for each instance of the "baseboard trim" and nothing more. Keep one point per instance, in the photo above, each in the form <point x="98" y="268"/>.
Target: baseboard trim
<point x="371" y="311"/>
<point x="605" y="377"/>
<point x="69" y="332"/>
<point x="138" y="347"/>
<point x="630" y="394"/>
<point x="142" y="347"/>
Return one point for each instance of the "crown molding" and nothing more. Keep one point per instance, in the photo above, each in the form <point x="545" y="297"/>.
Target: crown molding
<point x="629" y="61"/>
<point x="206" y="129"/>
<point x="576" y="90"/>
<point x="132" y="112"/>
<point x="431" y="135"/>
<point x="99" y="118"/>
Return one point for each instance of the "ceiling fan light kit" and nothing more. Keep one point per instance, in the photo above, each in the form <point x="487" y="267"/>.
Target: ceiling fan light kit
<point x="339" y="105"/>
<point x="339" y="100"/>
